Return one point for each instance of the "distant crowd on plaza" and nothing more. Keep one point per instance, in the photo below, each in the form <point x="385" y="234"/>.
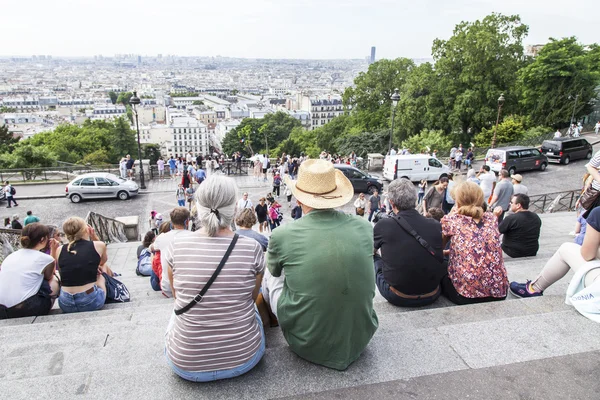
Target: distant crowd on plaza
<point x="315" y="277"/>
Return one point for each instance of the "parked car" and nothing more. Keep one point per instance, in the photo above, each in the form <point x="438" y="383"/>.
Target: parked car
<point x="415" y="167"/>
<point x="361" y="181"/>
<point x="565" y="150"/>
<point x="515" y="158"/>
<point x="98" y="185"/>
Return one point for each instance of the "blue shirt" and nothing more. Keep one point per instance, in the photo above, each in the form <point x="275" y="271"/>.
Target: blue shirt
<point x="172" y="163"/>
<point x="200" y="175"/>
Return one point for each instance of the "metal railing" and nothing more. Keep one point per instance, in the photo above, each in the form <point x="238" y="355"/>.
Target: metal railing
<point x="107" y="229"/>
<point x="554" y="202"/>
<point x="227" y="167"/>
<point x="47" y="174"/>
<point x="10" y="239"/>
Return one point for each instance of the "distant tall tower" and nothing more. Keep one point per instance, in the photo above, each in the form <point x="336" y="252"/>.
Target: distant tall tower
<point x="372" y="59"/>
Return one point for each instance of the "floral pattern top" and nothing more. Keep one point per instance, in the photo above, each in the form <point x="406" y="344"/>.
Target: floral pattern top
<point x="476" y="267"/>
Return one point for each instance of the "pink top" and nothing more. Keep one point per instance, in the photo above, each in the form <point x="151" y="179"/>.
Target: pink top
<point x="476" y="267"/>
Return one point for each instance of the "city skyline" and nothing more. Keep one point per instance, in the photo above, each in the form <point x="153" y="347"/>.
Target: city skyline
<point x="299" y="29"/>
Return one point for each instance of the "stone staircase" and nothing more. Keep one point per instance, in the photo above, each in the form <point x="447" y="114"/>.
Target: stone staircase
<point x="511" y="349"/>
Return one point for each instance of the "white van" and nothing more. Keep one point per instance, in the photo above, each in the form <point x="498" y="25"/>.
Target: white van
<point x="414" y="167"/>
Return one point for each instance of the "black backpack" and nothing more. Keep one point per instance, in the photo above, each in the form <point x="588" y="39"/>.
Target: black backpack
<point x="12" y="190"/>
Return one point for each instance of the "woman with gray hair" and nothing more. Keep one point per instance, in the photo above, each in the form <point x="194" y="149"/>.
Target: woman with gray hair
<point x="215" y="331"/>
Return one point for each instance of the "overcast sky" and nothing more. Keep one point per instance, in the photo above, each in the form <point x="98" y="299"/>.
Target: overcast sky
<point x="269" y="28"/>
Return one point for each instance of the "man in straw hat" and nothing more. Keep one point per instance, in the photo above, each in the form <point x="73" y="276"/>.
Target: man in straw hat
<point x="324" y="302"/>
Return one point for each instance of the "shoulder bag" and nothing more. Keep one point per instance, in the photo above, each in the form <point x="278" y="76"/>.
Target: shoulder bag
<point x="200" y="295"/>
<point x="406" y="226"/>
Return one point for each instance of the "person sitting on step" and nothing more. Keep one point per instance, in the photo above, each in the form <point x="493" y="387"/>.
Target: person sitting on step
<point x="215" y="331"/>
<point x="28" y="286"/>
<point x="407" y="273"/>
<point x="476" y="270"/>
<point x="81" y="263"/>
<point x="569" y="256"/>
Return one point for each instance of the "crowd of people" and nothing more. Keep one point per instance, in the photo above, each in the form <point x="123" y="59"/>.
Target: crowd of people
<point x="316" y="277"/>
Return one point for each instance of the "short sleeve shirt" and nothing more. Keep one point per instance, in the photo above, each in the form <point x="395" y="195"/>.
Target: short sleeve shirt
<point x="21" y="275"/>
<point x="161" y="165"/>
<point x="595" y="162"/>
<point x="476" y="267"/>
<point x="593" y="219"/>
<point x="504" y="191"/>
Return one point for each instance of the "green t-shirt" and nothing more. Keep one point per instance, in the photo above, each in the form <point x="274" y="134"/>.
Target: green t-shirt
<point x="30" y="219"/>
<point x="326" y="307"/>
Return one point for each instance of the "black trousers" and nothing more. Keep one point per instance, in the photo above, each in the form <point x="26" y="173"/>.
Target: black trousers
<point x="450" y="292"/>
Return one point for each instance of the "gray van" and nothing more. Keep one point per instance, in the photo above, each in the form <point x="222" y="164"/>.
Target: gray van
<point x="515" y="158"/>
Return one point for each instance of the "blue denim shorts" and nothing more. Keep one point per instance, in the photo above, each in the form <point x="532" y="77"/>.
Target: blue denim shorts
<point x="79" y="302"/>
<point x="210" y="376"/>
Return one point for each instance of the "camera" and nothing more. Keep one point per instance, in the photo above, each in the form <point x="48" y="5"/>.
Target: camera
<point x="381" y="214"/>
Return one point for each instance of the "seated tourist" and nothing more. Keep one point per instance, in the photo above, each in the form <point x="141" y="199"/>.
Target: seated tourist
<point x="245" y="220"/>
<point x="320" y="282"/>
<point x="521" y="229"/>
<point x="220" y="336"/>
<point x="407" y="274"/>
<point x="81" y="263"/>
<point x="156" y="275"/>
<point x="476" y="270"/>
<point x="180" y="217"/>
<point x="568" y="256"/>
<point x="27" y="283"/>
<point x="144" y="255"/>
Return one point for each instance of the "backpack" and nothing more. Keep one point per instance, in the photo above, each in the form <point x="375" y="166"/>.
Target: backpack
<point x="277" y="181"/>
<point x="144" y="264"/>
<point x="13" y="191"/>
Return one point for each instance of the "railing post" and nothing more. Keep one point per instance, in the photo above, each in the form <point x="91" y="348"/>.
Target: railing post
<point x="544" y="204"/>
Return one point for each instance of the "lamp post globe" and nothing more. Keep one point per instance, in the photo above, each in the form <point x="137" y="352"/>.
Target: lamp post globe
<point x="134" y="102"/>
<point x="395" y="98"/>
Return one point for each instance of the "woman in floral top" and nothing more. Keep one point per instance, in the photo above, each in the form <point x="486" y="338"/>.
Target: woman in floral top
<point x="476" y="270"/>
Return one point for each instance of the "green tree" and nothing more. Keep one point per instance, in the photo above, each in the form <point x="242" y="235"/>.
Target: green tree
<point x="124" y="98"/>
<point x="299" y="141"/>
<point x="5" y="109"/>
<point x="509" y="130"/>
<point x="562" y="71"/>
<point x="364" y="143"/>
<point x="97" y="157"/>
<point x="370" y="98"/>
<point x="428" y="140"/>
<point x="7" y="140"/>
<point x="123" y="140"/>
<point x="28" y="156"/>
<point x="197" y="103"/>
<point x="327" y="135"/>
<point x="113" y="97"/>
<point x="151" y="151"/>
<point x="478" y="63"/>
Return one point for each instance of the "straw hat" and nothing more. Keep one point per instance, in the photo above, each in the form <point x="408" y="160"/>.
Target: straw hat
<point x="321" y="186"/>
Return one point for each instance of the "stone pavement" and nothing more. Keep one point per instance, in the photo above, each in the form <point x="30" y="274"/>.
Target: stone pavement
<point x="515" y="349"/>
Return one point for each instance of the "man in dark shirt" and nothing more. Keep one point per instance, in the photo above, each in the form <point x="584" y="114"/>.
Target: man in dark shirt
<point x="521" y="230"/>
<point x="374" y="204"/>
<point x="129" y="166"/>
<point x="407" y="274"/>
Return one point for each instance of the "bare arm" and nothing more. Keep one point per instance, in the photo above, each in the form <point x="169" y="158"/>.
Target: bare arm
<point x="593" y="172"/>
<point x="259" y="279"/>
<point x="101" y="249"/>
<point x="591" y="242"/>
<point x="48" y="271"/>
<point x="170" y="273"/>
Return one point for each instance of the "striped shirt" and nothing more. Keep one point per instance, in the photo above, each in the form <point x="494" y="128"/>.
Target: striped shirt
<point x="220" y="332"/>
<point x="595" y="163"/>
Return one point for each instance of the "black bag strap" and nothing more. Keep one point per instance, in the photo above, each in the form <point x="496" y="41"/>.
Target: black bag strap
<point x="406" y="226"/>
<point x="200" y="295"/>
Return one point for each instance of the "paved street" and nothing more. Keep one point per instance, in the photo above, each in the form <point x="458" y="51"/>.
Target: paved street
<point x="161" y="196"/>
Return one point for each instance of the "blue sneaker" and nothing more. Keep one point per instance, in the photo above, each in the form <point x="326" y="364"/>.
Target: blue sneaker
<point x="522" y="290"/>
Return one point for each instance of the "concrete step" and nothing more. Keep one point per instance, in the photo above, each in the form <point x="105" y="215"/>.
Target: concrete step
<point x="137" y="368"/>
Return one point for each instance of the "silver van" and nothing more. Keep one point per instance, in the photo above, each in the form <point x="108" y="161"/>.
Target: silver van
<point x="98" y="185"/>
<point x="515" y="158"/>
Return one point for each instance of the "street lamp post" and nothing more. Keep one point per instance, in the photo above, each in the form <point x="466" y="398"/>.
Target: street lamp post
<point x="500" y="104"/>
<point x="574" y="107"/>
<point x="395" y="98"/>
<point x="134" y="101"/>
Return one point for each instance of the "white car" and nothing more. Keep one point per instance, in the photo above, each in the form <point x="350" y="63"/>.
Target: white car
<point x="98" y="185"/>
<point x="414" y="167"/>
